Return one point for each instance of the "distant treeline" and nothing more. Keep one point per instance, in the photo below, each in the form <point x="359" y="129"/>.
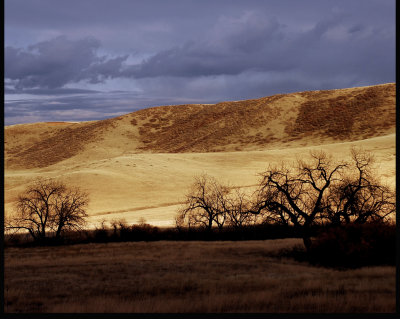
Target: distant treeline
<point x="353" y="245"/>
<point x="121" y="232"/>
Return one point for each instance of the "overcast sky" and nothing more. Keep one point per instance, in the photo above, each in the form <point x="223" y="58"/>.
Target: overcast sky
<point x="81" y="60"/>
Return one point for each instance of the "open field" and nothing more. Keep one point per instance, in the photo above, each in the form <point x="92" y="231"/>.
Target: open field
<point x="167" y="276"/>
<point x="141" y="164"/>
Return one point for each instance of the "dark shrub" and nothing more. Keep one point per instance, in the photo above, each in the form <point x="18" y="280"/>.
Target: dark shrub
<point x="101" y="234"/>
<point x="144" y="232"/>
<point x="15" y="239"/>
<point x="355" y="245"/>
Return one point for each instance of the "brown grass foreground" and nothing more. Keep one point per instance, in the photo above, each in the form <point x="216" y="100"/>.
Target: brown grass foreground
<point x="168" y="276"/>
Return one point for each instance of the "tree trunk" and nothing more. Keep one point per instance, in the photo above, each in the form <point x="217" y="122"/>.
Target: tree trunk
<point x="209" y="227"/>
<point x="43" y="233"/>
<point x="307" y="242"/>
<point x="58" y="232"/>
<point x="32" y="234"/>
<point x="59" y="228"/>
<point x="307" y="238"/>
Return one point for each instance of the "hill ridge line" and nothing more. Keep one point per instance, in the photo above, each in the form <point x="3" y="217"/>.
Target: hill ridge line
<point x="279" y="121"/>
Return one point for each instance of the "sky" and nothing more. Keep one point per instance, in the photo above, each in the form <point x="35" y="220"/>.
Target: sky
<point x="82" y="60"/>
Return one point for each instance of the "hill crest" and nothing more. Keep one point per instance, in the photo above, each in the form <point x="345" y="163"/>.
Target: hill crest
<point x="278" y="121"/>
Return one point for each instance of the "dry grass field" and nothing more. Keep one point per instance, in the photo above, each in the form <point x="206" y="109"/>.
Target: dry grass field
<point x="166" y="276"/>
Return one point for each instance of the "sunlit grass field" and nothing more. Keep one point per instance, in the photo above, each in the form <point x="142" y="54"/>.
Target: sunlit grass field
<point x="195" y="276"/>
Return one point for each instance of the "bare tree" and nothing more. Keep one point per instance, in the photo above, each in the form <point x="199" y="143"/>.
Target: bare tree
<point x="360" y="196"/>
<point x="48" y="206"/>
<point x="295" y="196"/>
<point x="314" y="191"/>
<point x="69" y="210"/>
<point x="205" y="204"/>
<point x="321" y="191"/>
<point x="238" y="209"/>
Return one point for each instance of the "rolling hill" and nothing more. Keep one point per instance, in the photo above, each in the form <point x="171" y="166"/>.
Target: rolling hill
<point x="140" y="164"/>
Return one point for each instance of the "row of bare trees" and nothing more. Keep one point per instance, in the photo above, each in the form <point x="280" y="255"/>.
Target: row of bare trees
<point x="48" y="208"/>
<point x="317" y="191"/>
<point x="209" y="203"/>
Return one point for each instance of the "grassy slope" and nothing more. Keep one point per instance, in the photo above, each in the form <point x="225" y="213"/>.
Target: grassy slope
<point x="141" y="164"/>
<point x="308" y="118"/>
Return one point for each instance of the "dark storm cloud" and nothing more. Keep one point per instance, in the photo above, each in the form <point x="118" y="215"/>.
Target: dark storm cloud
<point x="54" y="63"/>
<point x="182" y="51"/>
<point x="250" y="42"/>
<point x="232" y="46"/>
<point x="255" y="43"/>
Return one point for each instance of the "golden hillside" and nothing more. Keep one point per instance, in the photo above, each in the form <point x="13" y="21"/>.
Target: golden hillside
<point x="141" y="164"/>
<point x="283" y="120"/>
